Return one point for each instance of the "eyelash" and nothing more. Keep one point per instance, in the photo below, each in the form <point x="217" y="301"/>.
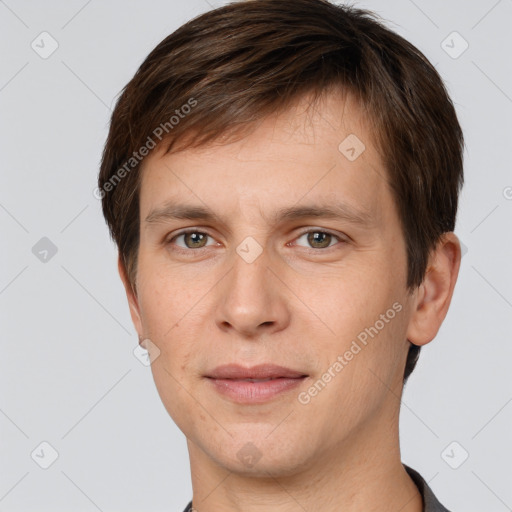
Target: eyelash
<point x="339" y="238"/>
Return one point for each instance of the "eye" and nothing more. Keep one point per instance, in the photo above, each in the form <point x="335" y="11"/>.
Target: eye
<point x="318" y="239"/>
<point x="191" y="240"/>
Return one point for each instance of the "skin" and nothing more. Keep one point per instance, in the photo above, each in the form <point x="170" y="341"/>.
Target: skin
<point x="298" y="305"/>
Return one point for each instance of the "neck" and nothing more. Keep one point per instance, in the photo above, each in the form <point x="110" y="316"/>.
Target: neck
<point x="364" y="473"/>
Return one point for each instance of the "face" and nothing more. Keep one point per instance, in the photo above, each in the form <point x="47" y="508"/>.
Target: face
<point x="283" y="248"/>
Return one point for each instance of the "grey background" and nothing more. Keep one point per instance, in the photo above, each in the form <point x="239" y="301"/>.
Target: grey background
<point x="68" y="375"/>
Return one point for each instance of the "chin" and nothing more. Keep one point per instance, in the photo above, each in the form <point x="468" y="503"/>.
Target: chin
<point x="261" y="456"/>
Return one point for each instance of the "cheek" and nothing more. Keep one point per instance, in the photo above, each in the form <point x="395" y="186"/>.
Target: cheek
<point x="171" y="321"/>
<point x="165" y="299"/>
<point x="172" y="386"/>
<point x="351" y="298"/>
<point x="365" y="358"/>
<point x="363" y="313"/>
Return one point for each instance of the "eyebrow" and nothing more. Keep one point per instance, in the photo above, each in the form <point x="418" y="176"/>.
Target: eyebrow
<point x="339" y="211"/>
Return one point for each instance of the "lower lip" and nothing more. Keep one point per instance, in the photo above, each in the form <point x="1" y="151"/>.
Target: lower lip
<point x="246" y="392"/>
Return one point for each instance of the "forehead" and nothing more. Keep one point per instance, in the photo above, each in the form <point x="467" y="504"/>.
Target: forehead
<point x="323" y="150"/>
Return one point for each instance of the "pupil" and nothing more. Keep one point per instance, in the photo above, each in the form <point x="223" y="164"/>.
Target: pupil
<point x="319" y="239"/>
<point x="195" y="239"/>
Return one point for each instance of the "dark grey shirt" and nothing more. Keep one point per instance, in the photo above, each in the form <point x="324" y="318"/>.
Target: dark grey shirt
<point x="430" y="502"/>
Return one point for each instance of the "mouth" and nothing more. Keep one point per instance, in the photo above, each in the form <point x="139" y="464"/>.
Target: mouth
<point x="257" y="384"/>
<point x="260" y="372"/>
<point x="258" y="380"/>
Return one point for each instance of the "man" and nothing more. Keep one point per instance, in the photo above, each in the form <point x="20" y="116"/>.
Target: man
<point x="281" y="178"/>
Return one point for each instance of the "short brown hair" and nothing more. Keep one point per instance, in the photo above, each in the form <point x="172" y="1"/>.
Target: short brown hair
<point x="237" y="64"/>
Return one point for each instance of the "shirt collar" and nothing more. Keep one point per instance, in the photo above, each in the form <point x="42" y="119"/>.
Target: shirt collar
<point x="430" y="502"/>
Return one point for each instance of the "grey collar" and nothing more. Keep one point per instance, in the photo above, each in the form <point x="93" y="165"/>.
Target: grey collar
<point x="430" y="502"/>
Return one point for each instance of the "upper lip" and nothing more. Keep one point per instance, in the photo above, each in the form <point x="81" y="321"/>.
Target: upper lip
<point x="261" y="371"/>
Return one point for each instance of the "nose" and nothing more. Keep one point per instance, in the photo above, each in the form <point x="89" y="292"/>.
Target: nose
<point x="252" y="299"/>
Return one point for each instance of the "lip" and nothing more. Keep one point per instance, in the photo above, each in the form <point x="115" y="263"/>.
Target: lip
<point x="229" y="381"/>
<point x="261" y="371"/>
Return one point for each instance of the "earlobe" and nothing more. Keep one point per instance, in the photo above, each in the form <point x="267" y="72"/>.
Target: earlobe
<point x="133" y="302"/>
<point x="434" y="295"/>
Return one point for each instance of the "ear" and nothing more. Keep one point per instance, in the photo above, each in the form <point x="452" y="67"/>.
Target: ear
<point x="132" y="298"/>
<point x="434" y="295"/>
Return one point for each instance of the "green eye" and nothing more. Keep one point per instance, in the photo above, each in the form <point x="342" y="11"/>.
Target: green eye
<point x="319" y="239"/>
<point x="191" y="240"/>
